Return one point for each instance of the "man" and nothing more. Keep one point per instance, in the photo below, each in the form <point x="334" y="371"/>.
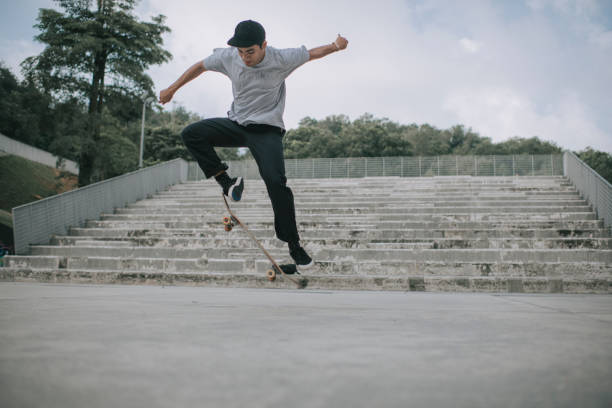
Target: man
<point x="255" y="119"/>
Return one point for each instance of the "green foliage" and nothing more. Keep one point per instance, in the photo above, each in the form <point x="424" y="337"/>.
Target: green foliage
<point x="98" y="57"/>
<point x="118" y="154"/>
<point x="601" y="162"/>
<point x="336" y="136"/>
<point x="533" y="145"/>
<point x="163" y="140"/>
<point x="31" y="116"/>
<point x="367" y="136"/>
<point x="23" y="109"/>
<point x="55" y="125"/>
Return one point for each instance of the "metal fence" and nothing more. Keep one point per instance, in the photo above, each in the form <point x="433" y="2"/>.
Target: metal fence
<point x="37" y="222"/>
<point x="16" y="148"/>
<point x="594" y="188"/>
<point x="357" y="167"/>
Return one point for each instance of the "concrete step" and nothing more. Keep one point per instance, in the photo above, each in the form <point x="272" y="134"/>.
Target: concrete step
<point x="493" y="206"/>
<point x="208" y="207"/>
<point x="208" y="193"/>
<point x="393" y="182"/>
<point x="325" y="253"/>
<point x="346" y="194"/>
<point x="242" y="241"/>
<point x="347" y="233"/>
<point x="471" y="255"/>
<point x="385" y="181"/>
<point x="477" y="234"/>
<point x="267" y="224"/>
<point x="406" y="282"/>
<point x="193" y="221"/>
<point x="371" y="268"/>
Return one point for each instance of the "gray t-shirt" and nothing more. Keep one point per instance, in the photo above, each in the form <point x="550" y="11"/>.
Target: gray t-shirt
<point x="259" y="91"/>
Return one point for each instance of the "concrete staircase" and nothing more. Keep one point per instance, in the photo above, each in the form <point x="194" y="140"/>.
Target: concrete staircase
<point x="493" y="234"/>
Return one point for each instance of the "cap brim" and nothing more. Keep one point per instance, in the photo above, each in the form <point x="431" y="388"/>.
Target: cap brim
<point x="236" y="42"/>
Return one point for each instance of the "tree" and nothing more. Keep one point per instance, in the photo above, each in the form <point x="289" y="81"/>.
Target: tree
<point x="96" y="55"/>
<point x="372" y="137"/>
<point x="532" y="145"/>
<point x="337" y="136"/>
<point x="23" y="109"/>
<point x="309" y="141"/>
<point x="599" y="161"/>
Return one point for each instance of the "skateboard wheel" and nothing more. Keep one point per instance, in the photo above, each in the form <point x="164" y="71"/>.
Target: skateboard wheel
<point x="271" y="275"/>
<point x="227" y="220"/>
<point x="228" y="227"/>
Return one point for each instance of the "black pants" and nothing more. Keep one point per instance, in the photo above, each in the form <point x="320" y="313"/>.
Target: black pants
<point x="265" y="143"/>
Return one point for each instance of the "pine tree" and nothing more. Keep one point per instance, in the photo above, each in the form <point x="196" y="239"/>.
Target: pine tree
<point x="92" y="54"/>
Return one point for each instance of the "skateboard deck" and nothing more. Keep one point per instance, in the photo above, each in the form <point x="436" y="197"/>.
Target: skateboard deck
<point x="286" y="269"/>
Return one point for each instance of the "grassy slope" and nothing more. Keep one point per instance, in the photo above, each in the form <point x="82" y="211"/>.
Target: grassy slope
<point x="23" y="181"/>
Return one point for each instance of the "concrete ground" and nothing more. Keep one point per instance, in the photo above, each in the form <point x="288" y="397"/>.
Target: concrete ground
<point x="147" y="346"/>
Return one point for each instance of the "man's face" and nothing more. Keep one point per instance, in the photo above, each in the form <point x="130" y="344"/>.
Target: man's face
<point x="252" y="55"/>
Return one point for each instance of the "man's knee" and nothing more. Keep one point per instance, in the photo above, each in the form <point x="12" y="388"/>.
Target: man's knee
<point x="188" y="134"/>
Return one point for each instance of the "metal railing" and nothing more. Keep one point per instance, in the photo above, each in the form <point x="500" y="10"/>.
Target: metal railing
<point x="592" y="187"/>
<point x="37" y="222"/>
<point x="357" y="167"/>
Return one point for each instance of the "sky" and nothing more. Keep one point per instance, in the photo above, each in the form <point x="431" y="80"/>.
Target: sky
<point x="503" y="68"/>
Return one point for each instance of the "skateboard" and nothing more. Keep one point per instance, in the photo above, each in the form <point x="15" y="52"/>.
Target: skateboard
<point x="284" y="269"/>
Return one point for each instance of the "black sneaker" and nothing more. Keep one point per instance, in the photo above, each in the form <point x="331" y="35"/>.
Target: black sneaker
<point x="301" y="258"/>
<point x="234" y="190"/>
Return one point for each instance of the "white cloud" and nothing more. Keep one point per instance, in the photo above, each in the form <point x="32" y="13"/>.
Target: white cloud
<point x="502" y="113"/>
<point x="576" y="7"/>
<point x="470" y="45"/>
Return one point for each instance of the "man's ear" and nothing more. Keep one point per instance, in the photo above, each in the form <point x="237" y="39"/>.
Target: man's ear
<point x="264" y="45"/>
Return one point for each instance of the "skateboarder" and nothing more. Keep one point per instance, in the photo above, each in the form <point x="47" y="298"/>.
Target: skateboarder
<point x="255" y="119"/>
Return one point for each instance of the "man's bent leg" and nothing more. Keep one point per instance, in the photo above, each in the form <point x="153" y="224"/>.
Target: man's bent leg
<point x="202" y="137"/>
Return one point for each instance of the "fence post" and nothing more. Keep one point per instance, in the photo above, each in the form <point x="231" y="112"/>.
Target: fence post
<point x="402" y="166"/>
<point x="513" y="168"/>
<point x="420" y="173"/>
<point x="330" y="166"/>
<point x="456" y="165"/>
<point x="476" y="164"/>
<point x="552" y="166"/>
<point x="494" y="170"/>
<point x="348" y="168"/>
<point x="366" y="166"/>
<point x="312" y="168"/>
<point x="532" y="167"/>
<point x="438" y="157"/>
<point x="384" y="169"/>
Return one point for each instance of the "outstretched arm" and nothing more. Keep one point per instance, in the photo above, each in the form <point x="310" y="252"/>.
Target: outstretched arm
<point x="192" y="72"/>
<point x="319" y="52"/>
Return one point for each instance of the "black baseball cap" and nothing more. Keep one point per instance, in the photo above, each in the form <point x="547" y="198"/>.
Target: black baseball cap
<point x="248" y="33"/>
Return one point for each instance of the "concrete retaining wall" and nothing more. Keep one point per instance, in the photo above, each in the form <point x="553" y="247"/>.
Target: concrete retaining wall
<point x="16" y="148"/>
